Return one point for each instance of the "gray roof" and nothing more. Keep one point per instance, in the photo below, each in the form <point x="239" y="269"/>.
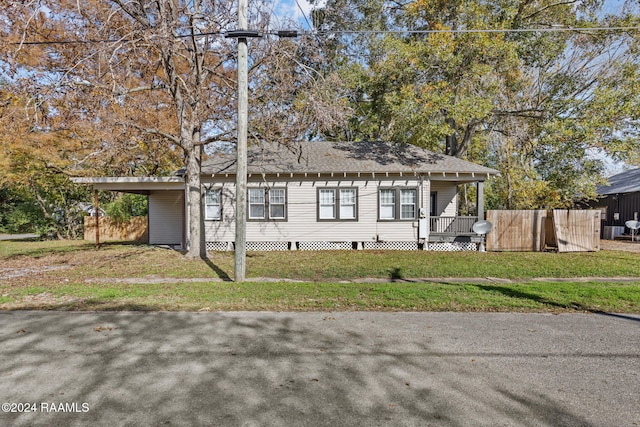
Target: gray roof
<point x="339" y="157"/>
<point x="625" y="182"/>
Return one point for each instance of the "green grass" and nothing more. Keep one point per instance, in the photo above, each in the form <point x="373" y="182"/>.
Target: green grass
<point x="346" y="265"/>
<point x="83" y="280"/>
<point x="37" y="248"/>
<point x="392" y="296"/>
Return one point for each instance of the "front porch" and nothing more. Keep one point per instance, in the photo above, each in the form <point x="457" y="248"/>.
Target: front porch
<point x="452" y="228"/>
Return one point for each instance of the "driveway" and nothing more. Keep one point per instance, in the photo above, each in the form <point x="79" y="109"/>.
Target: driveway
<point x="315" y="369"/>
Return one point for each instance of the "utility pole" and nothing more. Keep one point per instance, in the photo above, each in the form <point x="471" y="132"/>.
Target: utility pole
<point x="242" y="34"/>
<point x="241" y="149"/>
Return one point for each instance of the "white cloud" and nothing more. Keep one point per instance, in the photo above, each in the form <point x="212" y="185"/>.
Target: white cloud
<point x="289" y="9"/>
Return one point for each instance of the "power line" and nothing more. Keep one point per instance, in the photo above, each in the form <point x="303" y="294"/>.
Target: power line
<point x="325" y="32"/>
<point x="486" y="30"/>
<point x="227" y="34"/>
<point x="101" y="41"/>
<point x="304" y="14"/>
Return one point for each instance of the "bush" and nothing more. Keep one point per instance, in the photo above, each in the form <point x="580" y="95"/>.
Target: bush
<point x="126" y="206"/>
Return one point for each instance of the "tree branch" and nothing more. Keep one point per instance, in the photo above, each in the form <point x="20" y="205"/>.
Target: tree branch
<point x="152" y="131"/>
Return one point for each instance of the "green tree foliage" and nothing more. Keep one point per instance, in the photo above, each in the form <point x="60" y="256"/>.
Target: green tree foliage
<point x="126" y="205"/>
<point x="537" y="105"/>
<point x="43" y="141"/>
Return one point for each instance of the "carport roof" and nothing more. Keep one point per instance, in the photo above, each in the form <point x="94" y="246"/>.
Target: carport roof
<point x="141" y="185"/>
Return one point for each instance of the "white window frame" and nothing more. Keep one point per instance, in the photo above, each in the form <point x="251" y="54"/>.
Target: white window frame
<point x="273" y="203"/>
<point x="386" y="205"/>
<point x="337" y="205"/>
<point x="397" y="203"/>
<point x="403" y="191"/>
<point x="343" y="204"/>
<point x="325" y="203"/>
<point x="208" y="203"/>
<point x="269" y="202"/>
<point x="250" y="203"/>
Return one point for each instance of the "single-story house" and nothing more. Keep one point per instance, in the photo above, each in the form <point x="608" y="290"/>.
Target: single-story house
<point x="321" y="195"/>
<point x="619" y="202"/>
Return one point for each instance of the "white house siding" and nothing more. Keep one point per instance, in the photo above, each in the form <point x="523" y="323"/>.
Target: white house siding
<point x="166" y="213"/>
<point x="302" y="223"/>
<point x="446" y="198"/>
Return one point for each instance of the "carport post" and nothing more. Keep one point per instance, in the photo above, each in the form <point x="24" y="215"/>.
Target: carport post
<point x="96" y="212"/>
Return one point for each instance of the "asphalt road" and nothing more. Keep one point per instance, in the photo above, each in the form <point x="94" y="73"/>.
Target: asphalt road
<point x="315" y="369"/>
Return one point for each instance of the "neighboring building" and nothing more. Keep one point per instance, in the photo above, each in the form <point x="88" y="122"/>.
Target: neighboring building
<point x="321" y="195"/>
<point x="619" y="202"/>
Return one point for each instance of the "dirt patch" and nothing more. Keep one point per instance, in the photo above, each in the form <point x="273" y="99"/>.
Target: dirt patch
<point x="620" y="245"/>
<point x="10" y="273"/>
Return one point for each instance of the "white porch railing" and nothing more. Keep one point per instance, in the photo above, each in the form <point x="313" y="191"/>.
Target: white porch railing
<point x="452" y="225"/>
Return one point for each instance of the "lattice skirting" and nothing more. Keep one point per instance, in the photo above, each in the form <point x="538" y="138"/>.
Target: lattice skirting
<point x="219" y="246"/>
<point x="343" y="246"/>
<point x="325" y="246"/>
<point x="267" y="246"/>
<point x="453" y="246"/>
<point x="391" y="246"/>
<point x="251" y="246"/>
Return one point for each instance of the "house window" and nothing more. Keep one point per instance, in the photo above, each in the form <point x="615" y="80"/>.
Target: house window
<point x="213" y="205"/>
<point x="267" y="203"/>
<point x="277" y="203"/>
<point x="256" y="203"/>
<point x="327" y="201"/>
<point x="408" y="204"/>
<point x="398" y="203"/>
<point x="337" y="204"/>
<point x="387" y="204"/>
<point x="348" y="203"/>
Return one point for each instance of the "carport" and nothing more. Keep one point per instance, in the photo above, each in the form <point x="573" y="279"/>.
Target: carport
<point x="165" y="195"/>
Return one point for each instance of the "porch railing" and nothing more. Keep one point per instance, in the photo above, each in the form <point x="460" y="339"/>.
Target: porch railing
<point x="452" y="225"/>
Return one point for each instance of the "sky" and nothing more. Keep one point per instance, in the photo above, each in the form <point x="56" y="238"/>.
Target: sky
<point x="300" y="11"/>
<point x="297" y="11"/>
<point x="294" y="11"/>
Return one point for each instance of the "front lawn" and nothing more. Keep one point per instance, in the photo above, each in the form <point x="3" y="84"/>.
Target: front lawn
<point x="74" y="275"/>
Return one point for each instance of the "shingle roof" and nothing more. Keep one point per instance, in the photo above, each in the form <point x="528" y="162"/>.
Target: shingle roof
<point x="350" y="157"/>
<point x="625" y="182"/>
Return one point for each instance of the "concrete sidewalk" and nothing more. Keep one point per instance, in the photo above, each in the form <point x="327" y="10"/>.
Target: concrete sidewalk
<point x="26" y="236"/>
<point x="314" y="369"/>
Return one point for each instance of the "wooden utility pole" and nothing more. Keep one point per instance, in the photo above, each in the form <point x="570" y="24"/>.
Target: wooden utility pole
<point x="242" y="34"/>
<point x="241" y="149"/>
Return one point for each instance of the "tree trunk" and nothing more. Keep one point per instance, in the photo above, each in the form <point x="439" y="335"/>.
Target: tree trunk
<point x="451" y="148"/>
<point x="196" y="239"/>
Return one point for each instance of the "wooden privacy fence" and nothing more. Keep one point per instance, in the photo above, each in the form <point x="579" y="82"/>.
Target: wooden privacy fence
<point x="518" y="230"/>
<point x="577" y="231"/>
<point x="535" y="230"/>
<point x="133" y="230"/>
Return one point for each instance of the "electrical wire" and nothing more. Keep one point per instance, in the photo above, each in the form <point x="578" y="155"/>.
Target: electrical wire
<point x="94" y="41"/>
<point x="486" y="30"/>
<point x="304" y="14"/>
<point x="325" y="32"/>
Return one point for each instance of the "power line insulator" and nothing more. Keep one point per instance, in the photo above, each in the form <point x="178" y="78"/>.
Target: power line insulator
<point x="242" y="34"/>
<point x="287" y="33"/>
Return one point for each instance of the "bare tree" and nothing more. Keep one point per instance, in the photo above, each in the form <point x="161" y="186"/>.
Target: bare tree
<point x="115" y="75"/>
